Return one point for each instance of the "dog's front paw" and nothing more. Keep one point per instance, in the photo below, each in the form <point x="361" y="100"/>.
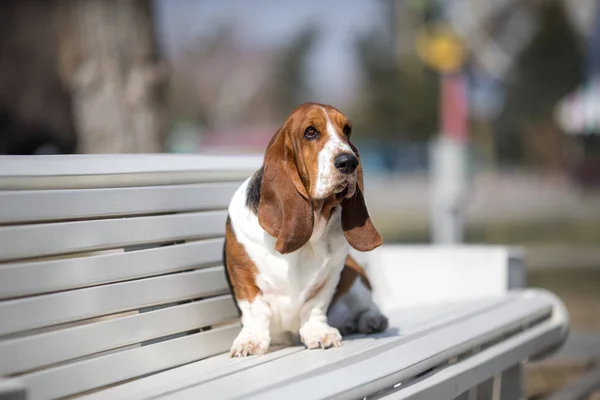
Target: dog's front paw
<point x="249" y="343"/>
<point x="315" y="335"/>
<point x="372" y="321"/>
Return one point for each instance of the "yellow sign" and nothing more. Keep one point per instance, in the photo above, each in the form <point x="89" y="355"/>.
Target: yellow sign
<point x="440" y="48"/>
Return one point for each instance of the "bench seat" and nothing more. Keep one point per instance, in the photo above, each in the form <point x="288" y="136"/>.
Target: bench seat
<point x="444" y="342"/>
<point x="112" y="287"/>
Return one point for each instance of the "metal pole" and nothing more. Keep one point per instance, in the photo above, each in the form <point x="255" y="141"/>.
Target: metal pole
<point x="449" y="163"/>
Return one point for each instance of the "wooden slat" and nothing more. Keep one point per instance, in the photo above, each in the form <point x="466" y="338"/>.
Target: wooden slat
<point x="123" y="170"/>
<point x="46" y="205"/>
<point x="481" y="366"/>
<point x="26" y="278"/>
<point x="406" y="323"/>
<point x="89" y="374"/>
<point x="31" y="352"/>
<point x="118" y="164"/>
<point x="359" y="374"/>
<point x="187" y="375"/>
<point x="30" y="241"/>
<point x="52" y="309"/>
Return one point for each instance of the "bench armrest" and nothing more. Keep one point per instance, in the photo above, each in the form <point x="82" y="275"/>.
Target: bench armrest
<point x="404" y="276"/>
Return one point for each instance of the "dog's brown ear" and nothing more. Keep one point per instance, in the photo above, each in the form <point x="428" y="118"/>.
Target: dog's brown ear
<point x="284" y="210"/>
<point x="356" y="222"/>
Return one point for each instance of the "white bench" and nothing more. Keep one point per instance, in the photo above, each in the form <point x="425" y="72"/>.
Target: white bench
<point x="111" y="287"/>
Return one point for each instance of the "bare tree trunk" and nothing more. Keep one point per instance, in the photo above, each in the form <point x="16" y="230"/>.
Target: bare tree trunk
<point x="35" y="107"/>
<point x="108" y="59"/>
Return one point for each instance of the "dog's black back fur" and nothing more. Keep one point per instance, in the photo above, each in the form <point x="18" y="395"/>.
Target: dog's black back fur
<point x="253" y="191"/>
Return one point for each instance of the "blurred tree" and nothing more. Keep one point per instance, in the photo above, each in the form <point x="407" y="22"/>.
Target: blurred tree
<point x="109" y="61"/>
<point x="547" y="69"/>
<point x="35" y="108"/>
<point x="222" y="83"/>
<point x="398" y="100"/>
<point x="198" y="73"/>
<point x="290" y="86"/>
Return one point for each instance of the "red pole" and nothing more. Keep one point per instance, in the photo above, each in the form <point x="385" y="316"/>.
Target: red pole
<point x="449" y="175"/>
<point x="453" y="107"/>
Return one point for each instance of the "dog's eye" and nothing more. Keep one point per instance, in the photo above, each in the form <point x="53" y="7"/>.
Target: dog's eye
<point x="347" y="130"/>
<point x="310" y="133"/>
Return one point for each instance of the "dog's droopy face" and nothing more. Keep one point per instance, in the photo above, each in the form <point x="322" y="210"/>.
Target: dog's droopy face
<point x="310" y="160"/>
<point x="326" y="158"/>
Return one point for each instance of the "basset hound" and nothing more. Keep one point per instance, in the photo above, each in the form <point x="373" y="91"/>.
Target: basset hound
<point x="288" y="235"/>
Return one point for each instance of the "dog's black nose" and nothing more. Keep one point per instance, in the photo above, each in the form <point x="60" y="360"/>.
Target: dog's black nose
<point x="346" y="163"/>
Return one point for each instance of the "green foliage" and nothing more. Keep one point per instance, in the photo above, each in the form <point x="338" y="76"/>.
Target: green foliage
<point x="398" y="100"/>
<point x="291" y="86"/>
<point x="549" y="68"/>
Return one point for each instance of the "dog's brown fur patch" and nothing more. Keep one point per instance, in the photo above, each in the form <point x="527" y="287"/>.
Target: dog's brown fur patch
<point x="241" y="269"/>
<point x="351" y="271"/>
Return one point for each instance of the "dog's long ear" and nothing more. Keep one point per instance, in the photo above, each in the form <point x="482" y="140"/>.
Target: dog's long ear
<point x="356" y="222"/>
<point x="284" y="210"/>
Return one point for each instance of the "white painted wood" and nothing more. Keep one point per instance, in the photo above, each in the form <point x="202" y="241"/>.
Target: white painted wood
<point x="363" y="373"/>
<point x="31" y="352"/>
<point x="46" y="205"/>
<point x="101" y="371"/>
<point x="188" y="375"/>
<point x="36" y="240"/>
<point x="406" y="276"/>
<point x="407" y="323"/>
<point x="95" y="164"/>
<point x="122" y="170"/>
<point x="38" y="277"/>
<point x="480" y="366"/>
<point x="441" y="324"/>
<point x="40" y="311"/>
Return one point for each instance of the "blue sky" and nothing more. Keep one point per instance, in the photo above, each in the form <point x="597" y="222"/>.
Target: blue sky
<point x="332" y="67"/>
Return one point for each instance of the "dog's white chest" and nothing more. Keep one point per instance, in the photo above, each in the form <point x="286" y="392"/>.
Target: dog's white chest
<point x="287" y="285"/>
<point x="288" y="281"/>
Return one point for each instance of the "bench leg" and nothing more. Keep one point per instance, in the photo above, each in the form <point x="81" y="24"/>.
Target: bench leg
<point x="511" y="385"/>
<point x="507" y="385"/>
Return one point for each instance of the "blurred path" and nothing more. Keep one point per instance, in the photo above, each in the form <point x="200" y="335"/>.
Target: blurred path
<point x="493" y="197"/>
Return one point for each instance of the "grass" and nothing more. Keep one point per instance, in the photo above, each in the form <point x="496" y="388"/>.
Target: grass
<point x="578" y="288"/>
<point x="559" y="230"/>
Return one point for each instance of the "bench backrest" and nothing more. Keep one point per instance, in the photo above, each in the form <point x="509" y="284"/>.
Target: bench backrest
<point x="111" y="266"/>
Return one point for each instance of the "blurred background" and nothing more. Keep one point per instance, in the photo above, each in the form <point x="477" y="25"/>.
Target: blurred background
<point x="478" y="121"/>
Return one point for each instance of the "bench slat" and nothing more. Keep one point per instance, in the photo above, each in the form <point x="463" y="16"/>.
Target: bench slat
<point x="119" y="164"/>
<point x="467" y="374"/>
<point x="187" y="375"/>
<point x="26" y="278"/>
<point x="360" y="374"/>
<point x="52" y="309"/>
<point x="119" y="170"/>
<point x="46" y="205"/>
<point x="410" y="321"/>
<point x="97" y="372"/>
<point x="28" y="241"/>
<point x="223" y="365"/>
<point x="23" y="354"/>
